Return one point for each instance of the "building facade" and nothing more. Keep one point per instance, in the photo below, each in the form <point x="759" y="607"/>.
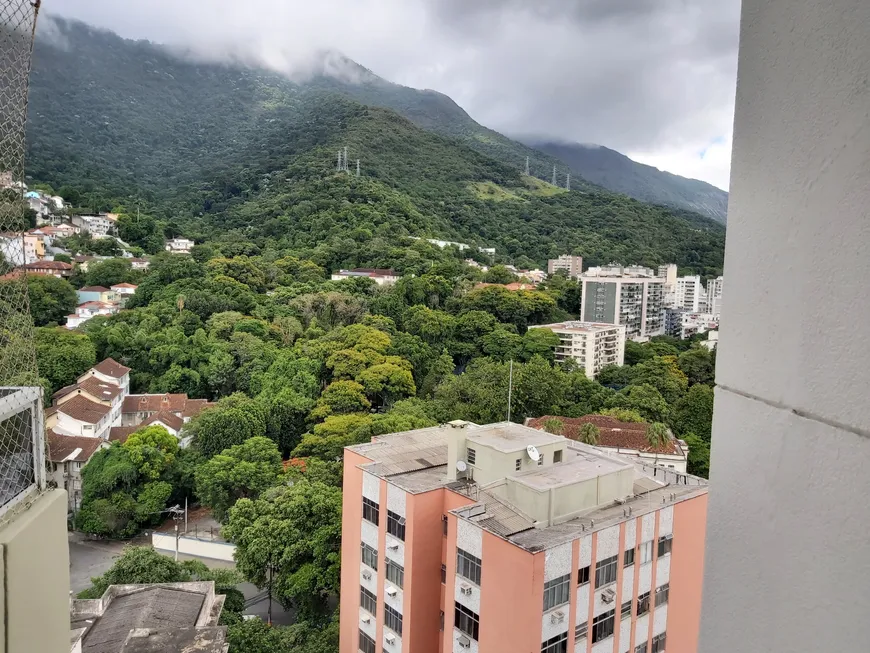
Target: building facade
<point x="592" y="346"/>
<point x="501" y="538"/>
<point x="714" y="297"/>
<point x="380" y="277"/>
<point x="635" y="302"/>
<point x="689" y="293"/>
<point x="573" y="265"/>
<point x="179" y="246"/>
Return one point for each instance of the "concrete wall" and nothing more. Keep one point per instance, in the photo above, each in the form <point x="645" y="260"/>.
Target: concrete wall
<point x="192" y="546"/>
<point x="34" y="615"/>
<point x="351" y="511"/>
<point x="787" y="546"/>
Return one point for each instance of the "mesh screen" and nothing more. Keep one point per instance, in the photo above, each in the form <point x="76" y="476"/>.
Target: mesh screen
<point x="17" y="354"/>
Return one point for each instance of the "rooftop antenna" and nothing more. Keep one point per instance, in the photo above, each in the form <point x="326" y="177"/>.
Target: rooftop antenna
<point x="527" y="166"/>
<point x="510" y="387"/>
<point x="554" y="176"/>
<point x="357" y="167"/>
<point x="568" y="182"/>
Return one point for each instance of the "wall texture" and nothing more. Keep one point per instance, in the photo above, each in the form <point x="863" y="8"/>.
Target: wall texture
<point x="787" y="548"/>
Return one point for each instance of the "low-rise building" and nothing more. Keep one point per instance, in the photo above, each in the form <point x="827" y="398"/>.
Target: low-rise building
<point x="80" y="416"/>
<point x="58" y="269"/>
<point x="680" y="323"/>
<point x="66" y="455"/>
<point x="86" y="311"/>
<point x="96" y="390"/>
<point x="573" y="265"/>
<point x="96" y="294"/>
<point x="139" y="263"/>
<point x="623" y="438"/>
<point x="379" y="276"/>
<point x="124" y="289"/>
<point x="111" y="371"/>
<point x="591" y="345"/>
<point x="179" y="246"/>
<point x="140" y="408"/>
<point x="102" y="224"/>
<point x="503" y="538"/>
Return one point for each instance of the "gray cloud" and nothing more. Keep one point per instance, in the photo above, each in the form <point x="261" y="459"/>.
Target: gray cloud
<point x="652" y="77"/>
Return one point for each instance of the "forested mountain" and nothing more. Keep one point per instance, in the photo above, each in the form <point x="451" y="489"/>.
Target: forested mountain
<point x="616" y="172"/>
<point x="220" y="149"/>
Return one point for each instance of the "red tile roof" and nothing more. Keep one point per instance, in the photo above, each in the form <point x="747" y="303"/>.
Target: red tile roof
<point x="64" y="391"/>
<point x="121" y="433"/>
<point x="47" y="265"/>
<point x="173" y="403"/>
<point x="96" y="388"/>
<point x="123" y="285"/>
<point x="71" y="447"/>
<point x="168" y="419"/>
<point x="194" y="407"/>
<point x="84" y="410"/>
<point x="613" y="433"/>
<point x="94" y="289"/>
<point x="111" y="367"/>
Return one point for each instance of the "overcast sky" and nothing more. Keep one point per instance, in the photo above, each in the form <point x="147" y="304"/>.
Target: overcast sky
<point x="653" y="79"/>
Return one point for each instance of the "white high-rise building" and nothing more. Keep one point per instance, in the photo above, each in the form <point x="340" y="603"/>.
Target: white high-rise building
<point x="714" y="297"/>
<point x="688" y="293"/>
<point x="573" y="265"/>
<point x="668" y="272"/>
<point x="633" y="301"/>
<point x="591" y="346"/>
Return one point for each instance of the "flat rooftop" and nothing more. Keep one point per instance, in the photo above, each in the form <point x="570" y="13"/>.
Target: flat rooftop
<point x="578" y="465"/>
<point x="578" y="327"/>
<point x="508" y="437"/>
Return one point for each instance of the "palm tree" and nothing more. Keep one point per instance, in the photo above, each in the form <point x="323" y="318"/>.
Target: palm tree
<point x="589" y="434"/>
<point x="554" y="425"/>
<point x="658" y="435"/>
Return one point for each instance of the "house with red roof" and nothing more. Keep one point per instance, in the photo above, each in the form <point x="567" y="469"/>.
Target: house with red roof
<point x="65" y="456"/>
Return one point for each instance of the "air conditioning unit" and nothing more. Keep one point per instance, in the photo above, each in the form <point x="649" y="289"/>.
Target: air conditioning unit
<point x="391" y="591"/>
<point x="401" y="521"/>
<point x="389" y="638"/>
<point x="367" y="574"/>
<point x="366" y="620"/>
<point x="464" y="642"/>
<point x="465" y="588"/>
<point x="393" y="546"/>
<point x="608" y="596"/>
<point x="557" y="617"/>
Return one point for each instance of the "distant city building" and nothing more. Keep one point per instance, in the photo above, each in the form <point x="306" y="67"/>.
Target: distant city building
<point x="96" y="294"/>
<point x="633" y="301"/>
<point x="57" y="269"/>
<point x="668" y="272"/>
<point x="573" y="265"/>
<point x="86" y="310"/>
<point x="712" y="340"/>
<point x="688" y="293"/>
<point x="535" y="276"/>
<point x="487" y="250"/>
<point x="592" y="346"/>
<point x="714" y="297"/>
<point x="139" y="263"/>
<point x="96" y="225"/>
<point x="680" y="323"/>
<point x="179" y="246"/>
<point x="623" y="438"/>
<point x="516" y="285"/>
<point x="504" y="538"/>
<point x="379" y="276"/>
<point x="617" y="270"/>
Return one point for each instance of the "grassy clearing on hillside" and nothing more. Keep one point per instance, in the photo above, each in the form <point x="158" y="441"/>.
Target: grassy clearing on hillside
<point x="487" y="190"/>
<point x="540" y="188"/>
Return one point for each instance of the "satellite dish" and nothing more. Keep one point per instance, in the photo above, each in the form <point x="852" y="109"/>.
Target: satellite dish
<point x="461" y="466"/>
<point x="533" y="452"/>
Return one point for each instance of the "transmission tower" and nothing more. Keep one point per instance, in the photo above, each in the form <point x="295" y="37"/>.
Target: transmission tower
<point x="527" y="166"/>
<point x="568" y="182"/>
<point x="339" y="161"/>
<point x="357" y="167"/>
<point x="345" y="158"/>
<point x="554" y="176"/>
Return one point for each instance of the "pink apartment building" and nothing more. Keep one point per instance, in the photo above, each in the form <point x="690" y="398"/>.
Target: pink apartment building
<point x="500" y="538"/>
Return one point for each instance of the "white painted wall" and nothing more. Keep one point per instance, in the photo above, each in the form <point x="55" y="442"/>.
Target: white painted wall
<point x="194" y="547"/>
<point x="787" y="544"/>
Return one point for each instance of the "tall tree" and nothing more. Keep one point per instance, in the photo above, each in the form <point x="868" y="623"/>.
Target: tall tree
<point x="51" y="299"/>
<point x="62" y="356"/>
<point x="589" y="434"/>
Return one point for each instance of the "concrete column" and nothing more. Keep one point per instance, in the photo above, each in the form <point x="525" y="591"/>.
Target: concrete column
<point x="788" y="541"/>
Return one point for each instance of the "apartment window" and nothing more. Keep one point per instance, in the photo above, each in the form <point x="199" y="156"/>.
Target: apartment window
<point x="444" y="525"/>
<point x="557" y="644"/>
<point x="665" y="544"/>
<point x="466" y="621"/>
<point x="441" y="621"/>
<point x="605" y="572"/>
<point x="646" y="551"/>
<point x="583" y="576"/>
<point x="643" y="604"/>
<point x="628" y="557"/>
<point x="371" y="510"/>
<point x="518" y="464"/>
<point x="393" y="619"/>
<point x="369" y="556"/>
<point x="468" y="566"/>
<point x="471" y="455"/>
<point x="556" y="591"/>
<point x="368" y="601"/>
<point x="396" y="525"/>
<point x="640" y="648"/>
<point x="626" y="610"/>
<point x="602" y="626"/>
<point x="581" y="630"/>
<point x="443" y="574"/>
<point x="366" y="643"/>
<point x="396" y="574"/>
<point x="557" y="456"/>
<point x="658" y="643"/>
<point x="662" y="594"/>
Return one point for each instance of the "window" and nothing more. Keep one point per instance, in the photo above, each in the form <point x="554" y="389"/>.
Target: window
<point x="646" y="550"/>
<point x="518" y="464"/>
<point x="393" y="619"/>
<point x="626" y="610"/>
<point x="396" y="574"/>
<point x="580" y="631"/>
<point x="602" y="626"/>
<point x="369" y="556"/>
<point x="557" y="456"/>
<point x="368" y="601"/>
<point x="665" y="544"/>
<point x="371" y="510"/>
<point x="640" y="648"/>
<point x="443" y="574"/>
<point x="662" y="594"/>
<point x="466" y="621"/>
<point x="583" y="576"/>
<point x="468" y="566"/>
<point x="658" y="643"/>
<point x="643" y="604"/>
<point x="441" y="620"/>
<point x="396" y="525"/>
<point x="366" y="643"/>
<point x="628" y="557"/>
<point x="557" y="644"/>
<point x="605" y="572"/>
<point x="471" y="455"/>
<point x="556" y="591"/>
<point x="444" y="525"/>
